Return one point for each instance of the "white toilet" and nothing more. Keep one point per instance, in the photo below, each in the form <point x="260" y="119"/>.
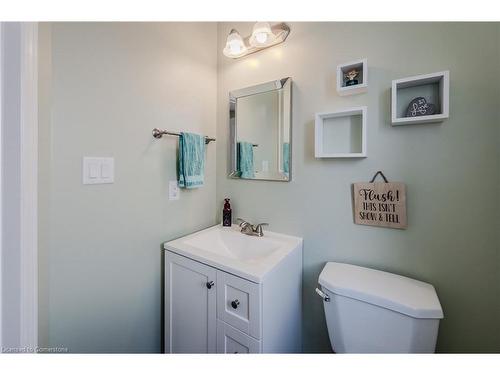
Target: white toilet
<point x="370" y="311"/>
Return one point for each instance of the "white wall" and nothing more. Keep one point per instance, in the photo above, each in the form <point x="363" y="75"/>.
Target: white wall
<point x="108" y="86"/>
<point x="451" y="169"/>
<point x="1" y="179"/>
<point x="11" y="185"/>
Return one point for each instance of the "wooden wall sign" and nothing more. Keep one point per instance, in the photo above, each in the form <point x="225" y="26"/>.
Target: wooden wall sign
<point x="382" y="204"/>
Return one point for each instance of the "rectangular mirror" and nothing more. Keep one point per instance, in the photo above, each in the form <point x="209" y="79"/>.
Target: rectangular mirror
<point x="260" y="129"/>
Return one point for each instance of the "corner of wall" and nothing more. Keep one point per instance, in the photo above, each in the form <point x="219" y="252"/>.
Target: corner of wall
<point x="44" y="156"/>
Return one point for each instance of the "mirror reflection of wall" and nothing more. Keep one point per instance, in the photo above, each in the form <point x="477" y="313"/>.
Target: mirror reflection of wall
<point x="261" y="135"/>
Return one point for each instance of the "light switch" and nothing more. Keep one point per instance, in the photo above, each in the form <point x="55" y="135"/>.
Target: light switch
<point x="98" y="170"/>
<point x="173" y="191"/>
<point x="93" y="170"/>
<point x="105" y="170"/>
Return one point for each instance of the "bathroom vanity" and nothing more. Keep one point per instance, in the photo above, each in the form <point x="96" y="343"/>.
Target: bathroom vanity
<point x="227" y="292"/>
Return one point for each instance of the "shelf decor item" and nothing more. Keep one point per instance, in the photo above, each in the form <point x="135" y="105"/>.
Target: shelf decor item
<point x="381" y="204"/>
<point x="420" y="99"/>
<point x="352" y="77"/>
<point x="420" y="107"/>
<point x="340" y="134"/>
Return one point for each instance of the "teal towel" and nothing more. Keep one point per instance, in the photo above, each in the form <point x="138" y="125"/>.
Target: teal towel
<point x="191" y="160"/>
<point x="286" y="157"/>
<point x="245" y="160"/>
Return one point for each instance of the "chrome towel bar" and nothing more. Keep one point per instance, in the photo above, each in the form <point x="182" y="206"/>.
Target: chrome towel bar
<point x="158" y="133"/>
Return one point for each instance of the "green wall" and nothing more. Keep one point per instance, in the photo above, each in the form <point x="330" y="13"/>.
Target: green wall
<point x="104" y="87"/>
<point x="451" y="169"/>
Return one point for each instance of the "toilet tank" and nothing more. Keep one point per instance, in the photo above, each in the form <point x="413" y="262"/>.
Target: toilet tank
<point x="371" y="311"/>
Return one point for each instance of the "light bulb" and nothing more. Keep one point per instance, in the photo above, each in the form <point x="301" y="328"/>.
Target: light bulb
<point x="262" y="35"/>
<point x="235" y="47"/>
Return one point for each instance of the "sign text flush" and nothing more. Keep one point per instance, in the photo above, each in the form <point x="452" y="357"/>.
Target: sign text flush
<point x="382" y="204"/>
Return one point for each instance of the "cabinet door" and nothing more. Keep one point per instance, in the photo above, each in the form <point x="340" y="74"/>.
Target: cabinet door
<point x="190" y="306"/>
<point x="232" y="341"/>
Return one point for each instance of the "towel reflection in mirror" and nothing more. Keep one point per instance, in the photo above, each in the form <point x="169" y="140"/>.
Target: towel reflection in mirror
<point x="245" y="160"/>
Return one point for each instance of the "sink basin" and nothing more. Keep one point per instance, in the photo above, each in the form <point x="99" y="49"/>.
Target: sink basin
<point x="233" y="244"/>
<point x="228" y="249"/>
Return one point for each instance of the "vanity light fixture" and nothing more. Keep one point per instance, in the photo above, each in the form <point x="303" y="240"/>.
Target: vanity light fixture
<point x="263" y="36"/>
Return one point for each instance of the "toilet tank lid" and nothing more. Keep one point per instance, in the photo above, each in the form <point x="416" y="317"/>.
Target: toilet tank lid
<point x="398" y="293"/>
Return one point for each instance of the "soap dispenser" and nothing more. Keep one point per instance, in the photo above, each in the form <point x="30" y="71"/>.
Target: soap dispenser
<point x="226" y="214"/>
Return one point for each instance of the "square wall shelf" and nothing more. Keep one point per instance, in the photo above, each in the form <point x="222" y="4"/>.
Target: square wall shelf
<point x="362" y="86"/>
<point x="434" y="87"/>
<point x="340" y="134"/>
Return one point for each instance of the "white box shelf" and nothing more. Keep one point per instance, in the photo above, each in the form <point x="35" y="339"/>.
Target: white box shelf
<point x="434" y="87"/>
<point x="362" y="86"/>
<point x="340" y="134"/>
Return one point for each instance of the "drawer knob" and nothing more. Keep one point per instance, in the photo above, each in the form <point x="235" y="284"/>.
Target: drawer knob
<point x="210" y="284"/>
<point x="235" y="304"/>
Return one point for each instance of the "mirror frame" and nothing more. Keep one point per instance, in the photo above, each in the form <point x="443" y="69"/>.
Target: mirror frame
<point x="284" y="83"/>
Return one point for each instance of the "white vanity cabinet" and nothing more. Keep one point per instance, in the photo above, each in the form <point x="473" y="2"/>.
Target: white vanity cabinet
<point x="211" y="310"/>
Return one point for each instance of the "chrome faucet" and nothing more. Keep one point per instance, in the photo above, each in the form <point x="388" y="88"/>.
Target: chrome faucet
<point x="251" y="230"/>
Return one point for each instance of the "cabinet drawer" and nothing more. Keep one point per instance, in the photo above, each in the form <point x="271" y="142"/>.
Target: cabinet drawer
<point x="238" y="303"/>
<point x="232" y="341"/>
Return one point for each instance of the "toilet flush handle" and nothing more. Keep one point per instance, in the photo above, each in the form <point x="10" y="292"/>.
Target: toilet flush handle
<point x="325" y="296"/>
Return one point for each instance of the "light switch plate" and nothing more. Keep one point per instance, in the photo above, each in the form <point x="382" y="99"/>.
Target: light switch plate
<point x="173" y="191"/>
<point x="98" y="170"/>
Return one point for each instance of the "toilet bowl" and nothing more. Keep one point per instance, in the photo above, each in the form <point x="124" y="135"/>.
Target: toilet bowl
<point x="371" y="311"/>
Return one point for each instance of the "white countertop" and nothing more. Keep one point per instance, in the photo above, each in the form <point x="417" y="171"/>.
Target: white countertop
<point x="229" y="250"/>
